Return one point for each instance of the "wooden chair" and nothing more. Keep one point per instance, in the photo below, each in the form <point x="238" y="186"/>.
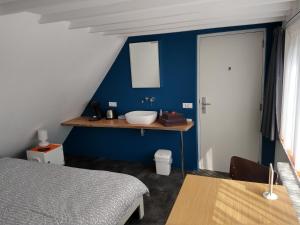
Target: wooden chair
<point x="246" y="170"/>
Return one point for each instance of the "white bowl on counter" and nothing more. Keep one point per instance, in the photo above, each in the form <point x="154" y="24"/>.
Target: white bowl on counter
<point x="141" y="117"/>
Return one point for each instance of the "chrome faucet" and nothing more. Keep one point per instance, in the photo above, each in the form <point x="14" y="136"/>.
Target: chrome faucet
<point x="152" y="99"/>
<point x="148" y="99"/>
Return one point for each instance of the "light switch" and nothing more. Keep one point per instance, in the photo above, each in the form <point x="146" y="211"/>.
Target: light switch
<point x="187" y="105"/>
<point x="112" y="104"/>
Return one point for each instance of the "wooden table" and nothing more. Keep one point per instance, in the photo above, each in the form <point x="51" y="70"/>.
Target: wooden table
<point x="85" y="122"/>
<point x="208" y="201"/>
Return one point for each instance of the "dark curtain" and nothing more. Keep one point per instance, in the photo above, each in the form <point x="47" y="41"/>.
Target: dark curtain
<point x="273" y="88"/>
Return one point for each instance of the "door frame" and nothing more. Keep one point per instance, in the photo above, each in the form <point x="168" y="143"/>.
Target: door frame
<point x="199" y="37"/>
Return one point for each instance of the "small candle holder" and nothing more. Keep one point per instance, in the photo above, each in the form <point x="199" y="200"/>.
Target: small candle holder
<point x="269" y="194"/>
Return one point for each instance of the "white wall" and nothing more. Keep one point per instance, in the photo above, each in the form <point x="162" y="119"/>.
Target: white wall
<point x="47" y="75"/>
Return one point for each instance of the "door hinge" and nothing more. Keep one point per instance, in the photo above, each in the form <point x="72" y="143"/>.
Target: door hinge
<point x="260" y="106"/>
<point x="263" y="43"/>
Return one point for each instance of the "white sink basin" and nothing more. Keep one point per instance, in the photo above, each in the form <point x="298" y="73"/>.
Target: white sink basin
<point x="141" y="117"/>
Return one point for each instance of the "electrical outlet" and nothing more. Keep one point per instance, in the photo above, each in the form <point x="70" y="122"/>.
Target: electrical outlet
<point x="112" y="104"/>
<point x="187" y="105"/>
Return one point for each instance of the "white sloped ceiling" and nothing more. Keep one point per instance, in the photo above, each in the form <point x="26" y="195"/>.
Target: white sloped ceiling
<point x="47" y="75"/>
<point x="139" y="17"/>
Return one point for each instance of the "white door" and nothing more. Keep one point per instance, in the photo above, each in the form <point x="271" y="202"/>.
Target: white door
<point x="230" y="80"/>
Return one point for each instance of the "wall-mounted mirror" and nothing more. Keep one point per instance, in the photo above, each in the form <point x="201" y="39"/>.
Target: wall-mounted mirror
<point x="144" y="64"/>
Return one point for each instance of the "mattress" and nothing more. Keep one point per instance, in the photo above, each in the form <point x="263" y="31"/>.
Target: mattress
<point x="33" y="193"/>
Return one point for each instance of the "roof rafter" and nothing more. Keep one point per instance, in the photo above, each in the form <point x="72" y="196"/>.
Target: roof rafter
<point x="16" y="6"/>
<point x="145" y="5"/>
<point x="229" y="23"/>
<point x="201" y="17"/>
<point x="160" y="13"/>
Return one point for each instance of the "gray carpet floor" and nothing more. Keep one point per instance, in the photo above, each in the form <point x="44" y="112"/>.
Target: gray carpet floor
<point x="163" y="189"/>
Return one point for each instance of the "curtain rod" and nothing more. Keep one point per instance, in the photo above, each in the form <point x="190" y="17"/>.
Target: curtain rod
<point x="291" y="19"/>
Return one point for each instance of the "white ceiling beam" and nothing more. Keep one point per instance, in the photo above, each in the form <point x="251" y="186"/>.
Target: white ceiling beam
<point x="75" y="5"/>
<point x="117" y="8"/>
<point x="136" y="5"/>
<point x="200" y="27"/>
<point x="170" y="11"/>
<point x="216" y="13"/>
<point x="16" y="6"/>
<point x="193" y="26"/>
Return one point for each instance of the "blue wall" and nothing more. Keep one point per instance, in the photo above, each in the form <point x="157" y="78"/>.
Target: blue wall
<point x="178" y="70"/>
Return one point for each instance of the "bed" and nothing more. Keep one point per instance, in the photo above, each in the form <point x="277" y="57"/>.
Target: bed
<point x="33" y="193"/>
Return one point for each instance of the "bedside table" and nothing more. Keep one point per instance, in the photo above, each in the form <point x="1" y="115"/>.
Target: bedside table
<point x="53" y="153"/>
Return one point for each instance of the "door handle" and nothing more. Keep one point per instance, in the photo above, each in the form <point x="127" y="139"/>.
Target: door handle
<point x="204" y="104"/>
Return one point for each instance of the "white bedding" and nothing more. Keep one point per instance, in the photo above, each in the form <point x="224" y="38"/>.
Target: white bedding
<point x="32" y="193"/>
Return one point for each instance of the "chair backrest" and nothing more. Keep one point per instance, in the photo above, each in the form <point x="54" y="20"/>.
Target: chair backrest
<point x="246" y="170"/>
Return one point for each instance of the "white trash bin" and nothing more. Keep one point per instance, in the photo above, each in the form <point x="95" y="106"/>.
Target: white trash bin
<point x="163" y="161"/>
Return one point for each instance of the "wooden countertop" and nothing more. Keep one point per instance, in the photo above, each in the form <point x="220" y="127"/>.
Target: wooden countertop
<point x="205" y="200"/>
<point x="84" y="122"/>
